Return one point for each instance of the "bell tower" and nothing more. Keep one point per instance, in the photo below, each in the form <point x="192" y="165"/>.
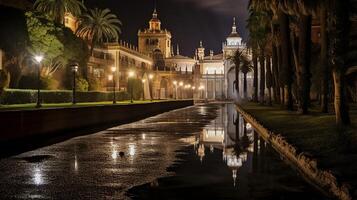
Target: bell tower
<point x="155" y="38"/>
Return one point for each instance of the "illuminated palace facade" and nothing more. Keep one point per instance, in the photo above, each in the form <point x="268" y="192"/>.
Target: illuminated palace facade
<point x="166" y="73"/>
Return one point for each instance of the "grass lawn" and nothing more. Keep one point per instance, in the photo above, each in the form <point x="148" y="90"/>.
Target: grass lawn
<point x="65" y="105"/>
<point x="316" y="133"/>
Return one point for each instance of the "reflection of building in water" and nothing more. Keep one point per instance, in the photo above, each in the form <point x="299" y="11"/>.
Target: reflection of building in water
<point x="226" y="133"/>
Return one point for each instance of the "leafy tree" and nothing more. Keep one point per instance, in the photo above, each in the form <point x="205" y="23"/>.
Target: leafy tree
<point x="98" y="26"/>
<point x="137" y="86"/>
<point x="57" y="9"/>
<point x="4" y="80"/>
<point x="43" y="40"/>
<point x="75" y="51"/>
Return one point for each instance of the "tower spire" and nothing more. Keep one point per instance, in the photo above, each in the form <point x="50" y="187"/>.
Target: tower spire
<point x="234" y="27"/>
<point x="154" y="14"/>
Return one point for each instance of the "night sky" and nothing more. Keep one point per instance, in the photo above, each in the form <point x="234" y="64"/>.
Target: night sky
<point x="188" y="20"/>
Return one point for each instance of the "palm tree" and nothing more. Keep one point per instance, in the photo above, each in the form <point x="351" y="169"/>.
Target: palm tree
<point x="256" y="41"/>
<point x="57" y="9"/>
<point x="323" y="58"/>
<point x="245" y="68"/>
<point x="98" y="26"/>
<point x="339" y="44"/>
<point x="237" y="60"/>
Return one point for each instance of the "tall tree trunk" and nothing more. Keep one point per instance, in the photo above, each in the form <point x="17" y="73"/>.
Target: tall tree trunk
<point x="281" y="77"/>
<point x="323" y="58"/>
<point x="286" y="59"/>
<point x="304" y="76"/>
<point x="245" y="85"/>
<point x="341" y="105"/>
<point x="275" y="72"/>
<point x="340" y="45"/>
<point x="255" y="78"/>
<point x="268" y="78"/>
<point x="262" y="76"/>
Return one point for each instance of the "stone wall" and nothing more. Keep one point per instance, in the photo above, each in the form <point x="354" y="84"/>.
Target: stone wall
<point x="322" y="179"/>
<point x="28" y="123"/>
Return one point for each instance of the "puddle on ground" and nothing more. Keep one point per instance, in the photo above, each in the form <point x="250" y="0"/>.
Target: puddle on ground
<point x="205" y="151"/>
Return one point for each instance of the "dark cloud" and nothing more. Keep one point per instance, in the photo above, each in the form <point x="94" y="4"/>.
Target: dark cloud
<point x="224" y="7"/>
<point x="188" y="20"/>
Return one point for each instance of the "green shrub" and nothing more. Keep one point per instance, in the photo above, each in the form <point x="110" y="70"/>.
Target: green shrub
<point x="137" y="87"/>
<point x="18" y="96"/>
<point x="4" y="80"/>
<point x="81" y="85"/>
<point x="28" y="82"/>
<point x="94" y="84"/>
<point x="31" y="82"/>
<point x="48" y="83"/>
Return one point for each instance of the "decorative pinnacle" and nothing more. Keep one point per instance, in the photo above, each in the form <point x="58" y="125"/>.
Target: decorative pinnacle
<point x="234" y="27"/>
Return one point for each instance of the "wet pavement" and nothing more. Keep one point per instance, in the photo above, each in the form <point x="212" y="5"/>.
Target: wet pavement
<point x="205" y="151"/>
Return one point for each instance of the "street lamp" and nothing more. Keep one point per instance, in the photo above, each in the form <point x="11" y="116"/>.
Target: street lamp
<point x="114" y="69"/>
<point x="131" y="75"/>
<point x="74" y="71"/>
<point x="151" y="76"/>
<point x="38" y="59"/>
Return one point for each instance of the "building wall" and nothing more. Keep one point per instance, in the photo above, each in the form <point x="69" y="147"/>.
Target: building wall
<point x="181" y="65"/>
<point x="149" y="41"/>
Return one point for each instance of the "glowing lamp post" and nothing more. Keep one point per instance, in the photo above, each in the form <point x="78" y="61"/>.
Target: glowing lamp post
<point x="38" y="59"/>
<point x="131" y="76"/>
<point x="114" y="69"/>
<point x="74" y="71"/>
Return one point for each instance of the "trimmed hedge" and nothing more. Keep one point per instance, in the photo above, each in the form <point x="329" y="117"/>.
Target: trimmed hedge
<point x="18" y="96"/>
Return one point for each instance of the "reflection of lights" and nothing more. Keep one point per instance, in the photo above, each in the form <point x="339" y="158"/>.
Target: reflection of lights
<point x="234" y="175"/>
<point x="234" y="161"/>
<point x="132" y="149"/>
<point x="37" y="176"/>
<point x="114" y="154"/>
<point x="243" y="156"/>
<point x="113" y="69"/>
<point x="75" y="163"/>
<point x="201" y="151"/>
<point x="249" y="126"/>
<point x="211" y="148"/>
<point x="110" y="77"/>
<point x="131" y="74"/>
<point x="143" y="136"/>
